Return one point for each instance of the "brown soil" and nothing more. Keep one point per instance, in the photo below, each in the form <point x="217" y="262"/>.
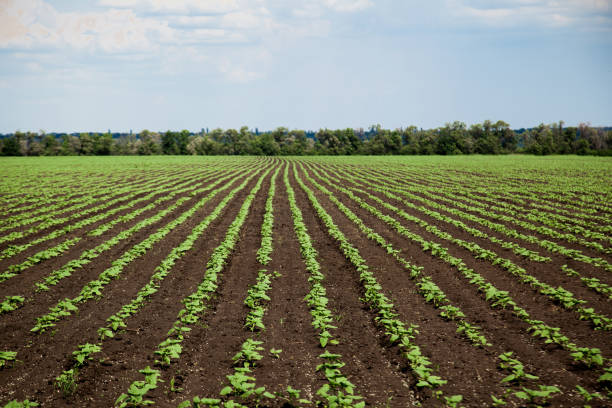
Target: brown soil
<point x="81" y="328"/>
<point x="571" y="245"/>
<point x="378" y="370"/>
<point x="39" y="231"/>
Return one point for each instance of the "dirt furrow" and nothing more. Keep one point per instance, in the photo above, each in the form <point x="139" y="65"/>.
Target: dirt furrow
<point x="54" y="348"/>
<point x="377" y="371"/>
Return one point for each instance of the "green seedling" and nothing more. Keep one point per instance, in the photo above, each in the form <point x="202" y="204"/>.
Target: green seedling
<point x="82" y="355"/>
<point x="539" y="396"/>
<point x="7" y="356"/>
<point x="21" y="404"/>
<point x="172" y="386"/>
<point x="516" y="368"/>
<point x="66" y="382"/>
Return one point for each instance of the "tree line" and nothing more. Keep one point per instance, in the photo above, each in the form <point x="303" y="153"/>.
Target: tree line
<point x="453" y="138"/>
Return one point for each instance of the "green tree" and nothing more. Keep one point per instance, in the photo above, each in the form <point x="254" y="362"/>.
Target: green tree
<point x="50" y="146"/>
<point x="242" y="142"/>
<point x="506" y="138"/>
<point x="70" y="145"/>
<point x="538" y="140"/>
<point x="338" y="142"/>
<point x="582" y="147"/>
<point x="103" y="144"/>
<point x="352" y="143"/>
<point x="485" y="138"/>
<point x="451" y="139"/>
<point x="208" y="146"/>
<point x="230" y="139"/>
<point x="22" y="142"/>
<point x="87" y="144"/>
<point x="426" y="142"/>
<point x="148" y="143"/>
<point x="297" y="143"/>
<point x="267" y="145"/>
<point x="409" y="138"/>
<point x="182" y="140"/>
<point x="11" y="147"/>
<point x="168" y="143"/>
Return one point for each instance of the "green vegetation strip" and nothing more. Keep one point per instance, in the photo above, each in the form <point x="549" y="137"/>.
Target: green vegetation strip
<point x="592" y="283"/>
<point x="65" y="205"/>
<point x="94" y="288"/>
<point x="107" y="201"/>
<point x="195" y="305"/>
<point x="117" y="321"/>
<point x="433" y="294"/>
<point x="558" y="295"/>
<point x="338" y="391"/>
<point x="591" y="357"/>
<point x="13" y="302"/>
<point x="241" y="382"/>
<point x="426" y="287"/>
<point x="265" y="249"/>
<point x="506" y="196"/>
<point x="397" y="331"/>
<point x="46" y="254"/>
<point x="549" y="245"/>
<point x="13" y="250"/>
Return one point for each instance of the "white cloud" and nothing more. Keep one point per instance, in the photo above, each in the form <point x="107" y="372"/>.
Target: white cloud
<point x="308" y="10"/>
<point x="552" y="13"/>
<point x="312" y="28"/>
<point x="159" y="100"/>
<point x="248" y="20"/>
<point x="191" y="21"/>
<point x="211" y="35"/>
<point x="589" y="5"/>
<point x="347" y="5"/>
<point x="33" y="66"/>
<point x="169" y="36"/>
<point x="317" y="8"/>
<point x="175" y="6"/>
<point x="259" y="20"/>
<point x="237" y="72"/>
<point x="34" y="23"/>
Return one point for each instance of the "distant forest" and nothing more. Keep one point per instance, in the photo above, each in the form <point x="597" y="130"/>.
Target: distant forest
<point x="454" y="138"/>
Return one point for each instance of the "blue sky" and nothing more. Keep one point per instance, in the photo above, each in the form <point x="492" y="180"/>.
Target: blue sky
<point x="190" y="64"/>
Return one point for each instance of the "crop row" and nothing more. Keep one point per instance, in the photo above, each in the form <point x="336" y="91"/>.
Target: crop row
<point x="548" y="245"/>
<point x="409" y="198"/>
<point x="433" y="294"/>
<point x="338" y="391"/>
<point x="66" y="205"/>
<point x="397" y="331"/>
<point x="94" y="288"/>
<point x="89" y="255"/>
<point x="169" y="194"/>
<point x="488" y="199"/>
<point x="558" y="295"/>
<point x="195" y="305"/>
<point x="107" y="201"/>
<point x="590" y="357"/>
<point x="117" y="321"/>
<point x="13" y="250"/>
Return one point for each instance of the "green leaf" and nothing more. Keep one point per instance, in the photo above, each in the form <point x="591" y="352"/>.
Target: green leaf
<point x="522" y="395"/>
<point x="226" y="391"/>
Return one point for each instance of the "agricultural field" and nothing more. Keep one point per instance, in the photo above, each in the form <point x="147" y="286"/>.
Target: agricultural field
<point x="309" y="281"/>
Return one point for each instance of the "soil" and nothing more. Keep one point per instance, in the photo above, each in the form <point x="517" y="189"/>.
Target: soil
<point x="379" y="371"/>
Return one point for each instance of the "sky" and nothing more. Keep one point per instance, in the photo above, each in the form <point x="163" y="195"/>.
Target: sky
<point x="94" y="65"/>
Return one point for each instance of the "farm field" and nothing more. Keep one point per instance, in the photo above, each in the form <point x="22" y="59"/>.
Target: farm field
<point x="306" y="281"/>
